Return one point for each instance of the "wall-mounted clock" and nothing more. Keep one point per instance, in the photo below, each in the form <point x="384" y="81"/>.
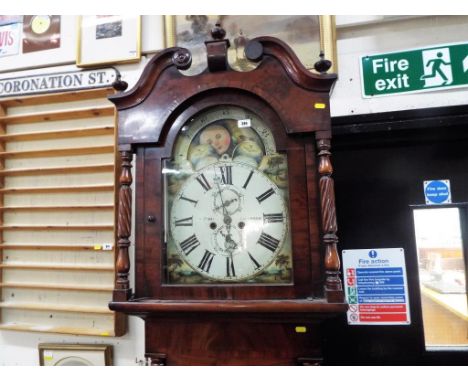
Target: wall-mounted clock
<point x="235" y="245"/>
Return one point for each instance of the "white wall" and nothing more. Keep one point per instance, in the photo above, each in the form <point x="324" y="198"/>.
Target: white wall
<point x="362" y="35"/>
<point x="21" y="348"/>
<point x="357" y="35"/>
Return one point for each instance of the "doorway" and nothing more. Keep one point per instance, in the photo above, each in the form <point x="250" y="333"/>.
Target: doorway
<point x="440" y="241"/>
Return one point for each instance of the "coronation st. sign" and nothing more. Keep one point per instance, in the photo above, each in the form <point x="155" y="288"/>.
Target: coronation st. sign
<point x="57" y="82"/>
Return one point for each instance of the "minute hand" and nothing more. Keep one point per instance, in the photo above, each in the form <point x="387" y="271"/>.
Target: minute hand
<point x="227" y="218"/>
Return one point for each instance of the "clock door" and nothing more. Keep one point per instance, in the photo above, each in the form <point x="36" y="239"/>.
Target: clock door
<point x="227" y="202"/>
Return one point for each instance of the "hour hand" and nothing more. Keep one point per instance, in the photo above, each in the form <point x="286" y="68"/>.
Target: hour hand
<point x="230" y="244"/>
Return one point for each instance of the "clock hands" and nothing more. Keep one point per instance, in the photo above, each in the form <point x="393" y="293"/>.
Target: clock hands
<point x="230" y="245"/>
<point x="227" y="203"/>
<point x="227" y="218"/>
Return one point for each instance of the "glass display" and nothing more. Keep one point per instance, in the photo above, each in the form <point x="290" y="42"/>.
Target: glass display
<point x="442" y="277"/>
<point x="226" y="202"/>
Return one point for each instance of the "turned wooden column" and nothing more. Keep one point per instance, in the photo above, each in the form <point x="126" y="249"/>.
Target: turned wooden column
<point x="333" y="285"/>
<point x="124" y="225"/>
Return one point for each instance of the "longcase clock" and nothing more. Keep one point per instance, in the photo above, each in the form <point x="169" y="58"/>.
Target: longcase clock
<point x="235" y="229"/>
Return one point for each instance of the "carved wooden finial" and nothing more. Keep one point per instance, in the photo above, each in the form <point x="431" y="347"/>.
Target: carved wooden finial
<point x="254" y="51"/>
<point x="182" y="59"/>
<point x="216" y="49"/>
<point x="119" y="84"/>
<point x="218" y="33"/>
<point x="323" y="64"/>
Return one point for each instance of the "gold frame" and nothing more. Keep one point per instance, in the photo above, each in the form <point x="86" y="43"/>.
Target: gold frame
<point x="122" y="60"/>
<point x="327" y="37"/>
<point x="74" y="350"/>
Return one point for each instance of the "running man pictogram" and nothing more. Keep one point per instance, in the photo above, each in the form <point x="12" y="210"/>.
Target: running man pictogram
<point x="439" y="66"/>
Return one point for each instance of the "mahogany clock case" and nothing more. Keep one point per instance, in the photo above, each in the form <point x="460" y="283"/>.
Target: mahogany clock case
<point x="229" y="322"/>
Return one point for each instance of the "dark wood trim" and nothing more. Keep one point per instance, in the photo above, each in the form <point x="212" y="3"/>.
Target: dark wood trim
<point x="412" y="119"/>
<point x="230" y="306"/>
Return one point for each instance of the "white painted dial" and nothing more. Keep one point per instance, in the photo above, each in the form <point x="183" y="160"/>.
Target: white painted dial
<point x="228" y="221"/>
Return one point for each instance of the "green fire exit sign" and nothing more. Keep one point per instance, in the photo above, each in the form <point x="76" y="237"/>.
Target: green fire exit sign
<point x="426" y="69"/>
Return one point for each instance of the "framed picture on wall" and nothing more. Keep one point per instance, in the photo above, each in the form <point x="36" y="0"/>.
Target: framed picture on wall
<point x="75" y="355"/>
<point x="108" y="39"/>
<point x="307" y="35"/>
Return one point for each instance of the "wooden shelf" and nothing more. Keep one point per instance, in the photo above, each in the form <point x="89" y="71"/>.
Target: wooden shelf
<point x="60" y="267"/>
<point x="47" y="116"/>
<point x="58" y="170"/>
<point x="58" y="152"/>
<point x="72" y="287"/>
<point x="69" y="189"/>
<point x="52" y="247"/>
<point x="57" y="97"/>
<point x="56" y="208"/>
<point x="58" y="134"/>
<point x="55" y="308"/>
<point x="101" y="227"/>
<point x="77" y="134"/>
<point x="56" y="329"/>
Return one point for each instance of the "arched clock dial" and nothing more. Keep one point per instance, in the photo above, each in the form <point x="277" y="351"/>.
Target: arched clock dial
<point x="227" y="201"/>
<point x="229" y="221"/>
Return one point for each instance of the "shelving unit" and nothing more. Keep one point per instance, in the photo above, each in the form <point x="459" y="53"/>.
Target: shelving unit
<point x="57" y="214"/>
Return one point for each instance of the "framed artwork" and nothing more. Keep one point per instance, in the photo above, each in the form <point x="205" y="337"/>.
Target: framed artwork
<point x="307" y="35"/>
<point x="108" y="39"/>
<point x="75" y="355"/>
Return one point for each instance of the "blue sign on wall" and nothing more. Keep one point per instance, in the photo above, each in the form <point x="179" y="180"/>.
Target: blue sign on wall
<point x="376" y="286"/>
<point x="437" y="191"/>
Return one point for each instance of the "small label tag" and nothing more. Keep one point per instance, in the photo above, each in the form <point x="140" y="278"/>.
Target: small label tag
<point x="48" y="355"/>
<point x="97" y="247"/>
<point x="107" y="247"/>
<point x="319" y="105"/>
<point x="244" y="123"/>
<point x="301" y="329"/>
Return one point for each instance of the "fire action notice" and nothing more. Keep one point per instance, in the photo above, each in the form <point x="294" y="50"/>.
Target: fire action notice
<point x="376" y="286"/>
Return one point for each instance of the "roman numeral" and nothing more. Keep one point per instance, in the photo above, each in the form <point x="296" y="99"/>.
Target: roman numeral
<point x="203" y="182"/>
<point x="257" y="265"/>
<point x="273" y="218"/>
<point x="230" y="271"/>
<point x="226" y="174"/>
<point x="186" y="222"/>
<point x="189" y="200"/>
<point x="248" y="180"/>
<point x="269" y="242"/>
<point x="189" y="244"/>
<point x="206" y="261"/>
<point x="265" y="195"/>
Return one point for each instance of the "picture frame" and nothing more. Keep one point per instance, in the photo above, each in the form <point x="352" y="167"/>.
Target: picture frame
<point x="75" y="355"/>
<point x="307" y="35"/>
<point x="108" y="39"/>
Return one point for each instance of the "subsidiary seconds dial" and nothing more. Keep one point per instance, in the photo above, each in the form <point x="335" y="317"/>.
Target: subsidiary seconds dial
<point x="229" y="221"/>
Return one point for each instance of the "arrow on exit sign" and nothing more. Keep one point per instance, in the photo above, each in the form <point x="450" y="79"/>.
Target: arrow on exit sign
<point x="465" y="64"/>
